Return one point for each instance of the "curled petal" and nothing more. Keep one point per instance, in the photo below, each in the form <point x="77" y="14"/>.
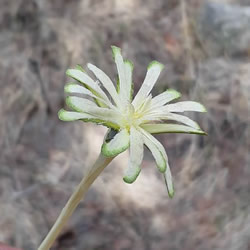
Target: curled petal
<point x="166" y="170"/>
<point x="116" y="145"/>
<point x="169" y="182"/>
<point x="136" y="156"/>
<point x="159" y="158"/>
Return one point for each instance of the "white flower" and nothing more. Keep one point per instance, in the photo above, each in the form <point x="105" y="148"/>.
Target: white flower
<point x="131" y="121"/>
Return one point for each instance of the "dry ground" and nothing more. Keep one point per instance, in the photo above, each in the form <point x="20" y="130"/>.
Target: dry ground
<point x="43" y="159"/>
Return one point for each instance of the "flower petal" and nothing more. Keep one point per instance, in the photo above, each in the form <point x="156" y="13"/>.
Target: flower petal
<point x="124" y="91"/>
<point x="171" y="128"/>
<point x="160" y="161"/>
<point x="136" y="156"/>
<point x="184" y="106"/>
<point x="69" y="116"/>
<point x="75" y="88"/>
<point x="84" y="105"/>
<point x="80" y="104"/>
<point x="117" y="145"/>
<point x="88" y="82"/>
<point x="167" y="173"/>
<point x="169" y="182"/>
<point x="165" y="97"/>
<point x="73" y="116"/>
<point x="106" y="81"/>
<point x="128" y="73"/>
<point x="154" y="70"/>
<point x="179" y="118"/>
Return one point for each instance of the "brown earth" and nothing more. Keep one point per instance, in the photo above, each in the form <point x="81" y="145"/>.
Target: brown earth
<point x="43" y="159"/>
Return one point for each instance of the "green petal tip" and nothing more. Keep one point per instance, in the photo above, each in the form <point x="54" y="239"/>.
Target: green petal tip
<point x="171" y="194"/>
<point x="177" y="93"/>
<point x="155" y="63"/>
<point x="61" y="116"/>
<point x="108" y="153"/>
<point x="131" y="179"/>
<point x="115" y="50"/>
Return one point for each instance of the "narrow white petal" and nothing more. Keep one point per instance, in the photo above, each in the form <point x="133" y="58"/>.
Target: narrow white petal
<point x="182" y="119"/>
<point x="173" y="117"/>
<point x="169" y="181"/>
<point x="77" y="89"/>
<point x="145" y="105"/>
<point x="171" y="128"/>
<point x="84" y="105"/>
<point x="88" y="81"/>
<point x="106" y="81"/>
<point x="83" y="78"/>
<point x="80" y="104"/>
<point x="160" y="161"/>
<point x="167" y="173"/>
<point x="73" y="88"/>
<point x="184" y="106"/>
<point x="121" y="74"/>
<point x="73" y="116"/>
<point x="128" y="73"/>
<point x="165" y="97"/>
<point x="154" y="70"/>
<point x="118" y="144"/>
<point x="136" y="156"/>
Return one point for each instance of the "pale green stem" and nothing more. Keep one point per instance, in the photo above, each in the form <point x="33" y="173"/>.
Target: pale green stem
<point x="74" y="200"/>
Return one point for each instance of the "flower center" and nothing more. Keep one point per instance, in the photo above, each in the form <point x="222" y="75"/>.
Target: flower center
<point x="130" y="117"/>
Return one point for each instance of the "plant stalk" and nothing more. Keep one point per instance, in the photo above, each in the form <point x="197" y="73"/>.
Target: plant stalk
<point x="74" y="200"/>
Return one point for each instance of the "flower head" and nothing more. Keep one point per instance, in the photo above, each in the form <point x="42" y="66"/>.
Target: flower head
<point x="131" y="120"/>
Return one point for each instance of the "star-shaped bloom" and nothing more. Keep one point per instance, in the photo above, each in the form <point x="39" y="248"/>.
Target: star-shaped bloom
<point x="132" y="121"/>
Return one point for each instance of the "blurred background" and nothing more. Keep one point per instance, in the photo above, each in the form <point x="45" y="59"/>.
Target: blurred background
<point x="205" y="47"/>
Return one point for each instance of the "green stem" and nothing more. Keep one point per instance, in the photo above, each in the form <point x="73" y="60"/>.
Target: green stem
<point x="74" y="200"/>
